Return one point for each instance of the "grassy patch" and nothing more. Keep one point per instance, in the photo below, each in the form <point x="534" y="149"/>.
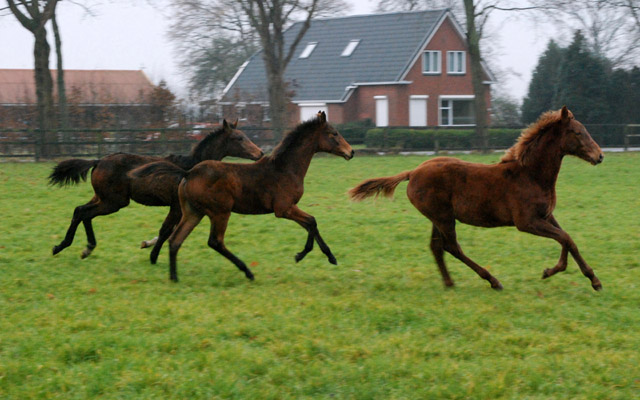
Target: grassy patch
<point x="379" y="325"/>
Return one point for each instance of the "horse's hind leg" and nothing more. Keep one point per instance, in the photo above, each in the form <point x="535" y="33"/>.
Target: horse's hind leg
<point x="169" y="223"/>
<point x="78" y="215"/>
<point x="451" y="245"/>
<point x="437" y="248"/>
<point x="85" y="214"/>
<point x="91" y="238"/>
<point x="184" y="228"/>
<point x="216" y="242"/>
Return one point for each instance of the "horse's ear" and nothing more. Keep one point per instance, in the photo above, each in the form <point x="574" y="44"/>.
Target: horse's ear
<point x="235" y="124"/>
<point x="225" y="126"/>
<point x="565" y="115"/>
<point x="322" y="116"/>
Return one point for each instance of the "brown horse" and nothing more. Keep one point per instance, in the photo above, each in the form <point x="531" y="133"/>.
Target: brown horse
<point x="273" y="184"/>
<point x="114" y="188"/>
<point x="519" y="191"/>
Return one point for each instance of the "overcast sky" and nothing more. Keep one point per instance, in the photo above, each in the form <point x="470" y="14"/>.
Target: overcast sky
<point x="123" y="36"/>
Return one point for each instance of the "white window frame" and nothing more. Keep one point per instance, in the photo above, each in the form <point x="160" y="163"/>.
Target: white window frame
<point x="351" y="47"/>
<point x="426" y="108"/>
<point x="456" y="62"/>
<point x="266" y="113"/>
<point x="306" y="53"/>
<point x="427" y="58"/>
<point x="445" y="103"/>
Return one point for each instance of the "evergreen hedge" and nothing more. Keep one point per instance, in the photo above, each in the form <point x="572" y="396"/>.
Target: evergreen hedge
<point x="425" y="139"/>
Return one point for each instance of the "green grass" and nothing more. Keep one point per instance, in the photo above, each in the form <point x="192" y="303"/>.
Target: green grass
<point x="379" y="325"/>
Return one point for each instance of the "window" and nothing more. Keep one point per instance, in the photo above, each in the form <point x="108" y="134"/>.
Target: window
<point x="431" y="62"/>
<point x="308" y="50"/>
<point x="457" y="111"/>
<point x="350" y="48"/>
<point x="266" y="116"/>
<point x="456" y="62"/>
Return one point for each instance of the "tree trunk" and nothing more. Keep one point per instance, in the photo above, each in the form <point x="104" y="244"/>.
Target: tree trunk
<point x="63" y="113"/>
<point x="277" y="104"/>
<point x="477" y="75"/>
<point x="44" y="88"/>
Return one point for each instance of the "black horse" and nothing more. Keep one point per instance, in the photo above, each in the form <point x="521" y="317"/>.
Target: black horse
<point x="114" y="188"/>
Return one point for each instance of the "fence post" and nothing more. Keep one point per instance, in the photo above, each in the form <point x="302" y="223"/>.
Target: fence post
<point x="626" y="142"/>
<point x="99" y="139"/>
<point x="436" y="148"/>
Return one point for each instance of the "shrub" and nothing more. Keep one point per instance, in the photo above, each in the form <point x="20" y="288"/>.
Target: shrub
<point x="355" y="132"/>
<point x="415" y="139"/>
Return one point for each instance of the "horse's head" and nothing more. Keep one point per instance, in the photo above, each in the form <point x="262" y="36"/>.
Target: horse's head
<point x="331" y="141"/>
<point x="576" y="140"/>
<point x="237" y="143"/>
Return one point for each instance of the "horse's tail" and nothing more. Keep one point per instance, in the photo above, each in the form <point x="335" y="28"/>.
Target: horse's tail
<point x="158" y="169"/>
<point x="71" y="171"/>
<point x="375" y="186"/>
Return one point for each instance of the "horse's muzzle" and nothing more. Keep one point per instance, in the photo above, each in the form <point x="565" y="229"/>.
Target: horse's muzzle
<point x="349" y="156"/>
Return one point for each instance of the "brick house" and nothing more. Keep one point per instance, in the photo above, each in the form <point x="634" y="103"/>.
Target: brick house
<point x="94" y="97"/>
<point x="397" y="69"/>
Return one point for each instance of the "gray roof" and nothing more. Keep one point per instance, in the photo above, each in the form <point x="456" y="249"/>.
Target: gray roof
<point x="388" y="44"/>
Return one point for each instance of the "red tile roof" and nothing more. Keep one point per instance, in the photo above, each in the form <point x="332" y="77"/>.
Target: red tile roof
<point x="17" y="86"/>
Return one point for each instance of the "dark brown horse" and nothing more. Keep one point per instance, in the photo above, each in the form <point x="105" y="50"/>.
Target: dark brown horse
<point x="519" y="191"/>
<point x="114" y="188"/>
<point x="273" y="184"/>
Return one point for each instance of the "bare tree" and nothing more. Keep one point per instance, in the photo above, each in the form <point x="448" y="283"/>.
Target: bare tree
<point x="611" y="27"/>
<point x="247" y="23"/>
<point x="33" y="15"/>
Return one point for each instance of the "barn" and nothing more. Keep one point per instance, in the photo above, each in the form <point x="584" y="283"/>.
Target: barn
<point x="396" y="69"/>
<point x="94" y="96"/>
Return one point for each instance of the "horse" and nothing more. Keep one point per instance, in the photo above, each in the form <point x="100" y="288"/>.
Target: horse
<point x="114" y="188"/>
<point x="518" y="191"/>
<point x="274" y="184"/>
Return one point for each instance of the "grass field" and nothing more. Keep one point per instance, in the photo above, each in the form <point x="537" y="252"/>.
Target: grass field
<point x="380" y="325"/>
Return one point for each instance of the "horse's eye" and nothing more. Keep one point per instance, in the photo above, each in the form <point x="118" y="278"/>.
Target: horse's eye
<point x="578" y="133"/>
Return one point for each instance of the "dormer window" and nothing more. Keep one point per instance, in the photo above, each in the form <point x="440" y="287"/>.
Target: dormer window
<point x="308" y="50"/>
<point x="350" y="48"/>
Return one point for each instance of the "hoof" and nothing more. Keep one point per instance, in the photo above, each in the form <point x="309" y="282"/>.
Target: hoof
<point x="546" y="273"/>
<point x="496" y="286"/>
<point x="249" y="275"/>
<point x="597" y="285"/>
<point x="56" y="250"/>
<point x="173" y="279"/>
<point x="144" y="244"/>
<point x="333" y="260"/>
<point x="299" y="256"/>
<point x="448" y="284"/>
<point x="153" y="260"/>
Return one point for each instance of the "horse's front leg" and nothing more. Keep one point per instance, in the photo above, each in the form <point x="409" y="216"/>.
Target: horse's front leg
<point x="562" y="262"/>
<point x="308" y="222"/>
<point x="545" y="228"/>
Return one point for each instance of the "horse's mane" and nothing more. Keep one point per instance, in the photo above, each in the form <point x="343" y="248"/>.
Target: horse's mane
<point x="294" y="138"/>
<point x="530" y="137"/>
<point x="198" y="149"/>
